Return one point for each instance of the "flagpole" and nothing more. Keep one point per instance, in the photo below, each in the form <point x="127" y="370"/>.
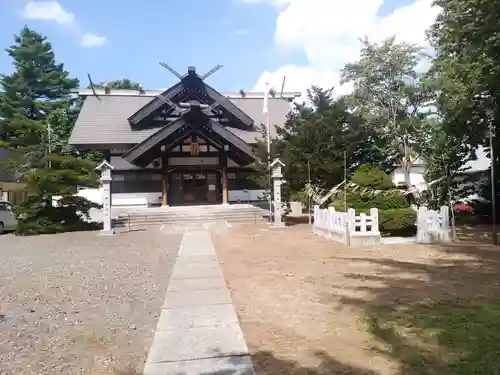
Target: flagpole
<point x="268" y="140"/>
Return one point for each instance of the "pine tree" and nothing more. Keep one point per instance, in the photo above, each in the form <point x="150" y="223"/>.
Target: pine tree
<point x="35" y="121"/>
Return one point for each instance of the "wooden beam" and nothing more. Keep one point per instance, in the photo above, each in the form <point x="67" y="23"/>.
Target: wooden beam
<point x="223" y="162"/>
<point x="188" y="154"/>
<point x="164" y="180"/>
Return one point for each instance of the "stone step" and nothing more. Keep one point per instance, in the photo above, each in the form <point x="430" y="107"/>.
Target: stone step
<point x="157" y="219"/>
<point x="186" y="215"/>
<point x="193" y="211"/>
<point x="136" y="225"/>
<point x="160" y="220"/>
<point x="172" y="215"/>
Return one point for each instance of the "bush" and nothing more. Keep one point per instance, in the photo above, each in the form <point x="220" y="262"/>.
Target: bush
<point x="396" y="218"/>
<point x="373" y="178"/>
<point x="390" y="201"/>
<point x="400" y="221"/>
<point x="365" y="202"/>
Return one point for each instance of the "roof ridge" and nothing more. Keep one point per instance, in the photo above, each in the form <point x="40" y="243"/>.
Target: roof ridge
<point x="152" y="93"/>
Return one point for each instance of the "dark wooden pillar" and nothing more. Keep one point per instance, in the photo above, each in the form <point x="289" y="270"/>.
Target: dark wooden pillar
<point x="107" y="155"/>
<point x="164" y="179"/>
<point x="223" y="163"/>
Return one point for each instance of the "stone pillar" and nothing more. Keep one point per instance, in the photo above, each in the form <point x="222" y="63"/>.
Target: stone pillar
<point x="105" y="168"/>
<point x="444" y="213"/>
<point x="423" y="235"/>
<point x="277" y="177"/>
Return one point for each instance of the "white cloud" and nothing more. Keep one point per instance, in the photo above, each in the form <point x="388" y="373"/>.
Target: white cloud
<point x="91" y="40"/>
<point x="328" y="32"/>
<point x="52" y="11"/>
<point x="48" y="11"/>
<point x="242" y="32"/>
<point x="276" y="3"/>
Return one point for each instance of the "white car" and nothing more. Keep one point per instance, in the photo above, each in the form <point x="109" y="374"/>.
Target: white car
<point x="8" y="220"/>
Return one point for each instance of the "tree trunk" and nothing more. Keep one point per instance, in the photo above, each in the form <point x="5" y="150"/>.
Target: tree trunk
<point x="406" y="165"/>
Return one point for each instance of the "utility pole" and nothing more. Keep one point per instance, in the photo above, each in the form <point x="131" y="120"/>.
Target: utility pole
<point x="345" y="181"/>
<point x="308" y="196"/>
<point x="347" y="228"/>
<point x="493" y="193"/>
<point x="268" y="141"/>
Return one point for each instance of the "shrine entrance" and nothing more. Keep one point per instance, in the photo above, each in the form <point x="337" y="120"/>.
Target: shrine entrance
<point x="194" y="187"/>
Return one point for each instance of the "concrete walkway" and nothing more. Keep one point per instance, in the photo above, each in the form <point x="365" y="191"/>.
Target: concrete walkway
<point x="198" y="330"/>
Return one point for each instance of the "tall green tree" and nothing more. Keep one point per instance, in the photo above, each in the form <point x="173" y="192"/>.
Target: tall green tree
<point x="37" y="87"/>
<point x="34" y="120"/>
<point x="445" y="156"/>
<point x="466" y="38"/>
<point x="391" y="96"/>
<point x="316" y="143"/>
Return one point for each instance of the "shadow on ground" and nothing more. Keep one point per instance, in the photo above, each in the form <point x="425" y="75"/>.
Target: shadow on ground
<point x="435" y="316"/>
<point x="266" y="363"/>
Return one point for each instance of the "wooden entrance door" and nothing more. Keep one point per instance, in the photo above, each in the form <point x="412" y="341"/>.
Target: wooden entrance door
<point x="194" y="188"/>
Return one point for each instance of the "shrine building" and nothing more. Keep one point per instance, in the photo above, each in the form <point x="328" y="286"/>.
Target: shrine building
<point x="186" y="145"/>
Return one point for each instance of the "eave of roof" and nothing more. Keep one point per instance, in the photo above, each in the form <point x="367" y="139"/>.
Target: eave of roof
<point x="103" y="120"/>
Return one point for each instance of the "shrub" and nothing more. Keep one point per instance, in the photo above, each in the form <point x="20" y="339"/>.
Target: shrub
<point x="373" y="178"/>
<point x="390" y="201"/>
<point x="399" y="221"/>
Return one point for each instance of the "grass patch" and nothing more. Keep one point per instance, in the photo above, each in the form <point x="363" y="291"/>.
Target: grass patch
<point x="441" y="338"/>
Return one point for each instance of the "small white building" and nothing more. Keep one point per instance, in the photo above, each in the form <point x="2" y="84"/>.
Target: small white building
<point x="481" y="164"/>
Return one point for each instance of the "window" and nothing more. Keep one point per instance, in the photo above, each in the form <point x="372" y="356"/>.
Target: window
<point x="5" y="206"/>
<point x="242" y="180"/>
<point x="136" y="182"/>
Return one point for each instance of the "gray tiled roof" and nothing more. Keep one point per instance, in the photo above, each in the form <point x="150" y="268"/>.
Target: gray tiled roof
<point x="103" y="120"/>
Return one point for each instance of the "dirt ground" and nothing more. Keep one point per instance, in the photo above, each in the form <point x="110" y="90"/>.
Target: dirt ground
<point x="303" y="301"/>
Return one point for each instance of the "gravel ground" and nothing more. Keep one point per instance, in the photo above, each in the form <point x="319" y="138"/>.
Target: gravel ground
<point x="76" y="303"/>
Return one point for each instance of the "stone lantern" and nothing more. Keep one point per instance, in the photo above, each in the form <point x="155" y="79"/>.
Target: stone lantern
<point x="277" y="177"/>
<point x="105" y="168"/>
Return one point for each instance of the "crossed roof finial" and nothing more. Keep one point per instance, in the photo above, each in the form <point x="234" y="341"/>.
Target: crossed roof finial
<point x="191" y="70"/>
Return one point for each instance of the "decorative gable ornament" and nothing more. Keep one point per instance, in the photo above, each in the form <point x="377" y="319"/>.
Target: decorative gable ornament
<point x="276" y="166"/>
<point x="194" y="148"/>
<point x="105" y="168"/>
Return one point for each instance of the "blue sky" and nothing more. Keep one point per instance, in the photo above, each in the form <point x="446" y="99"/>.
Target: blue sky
<point x="139" y="34"/>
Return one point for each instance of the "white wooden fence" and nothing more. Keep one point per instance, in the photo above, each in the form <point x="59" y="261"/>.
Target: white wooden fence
<point x="347" y="227"/>
<point x="433" y="226"/>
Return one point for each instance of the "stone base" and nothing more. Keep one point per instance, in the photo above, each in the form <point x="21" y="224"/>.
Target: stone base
<point x="357" y="240"/>
<point x="277" y="225"/>
<point x="103" y="232"/>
